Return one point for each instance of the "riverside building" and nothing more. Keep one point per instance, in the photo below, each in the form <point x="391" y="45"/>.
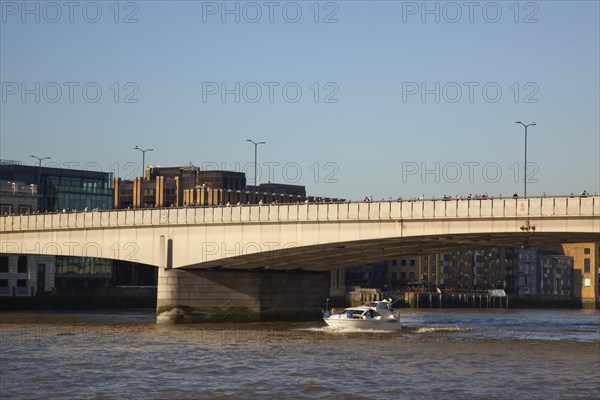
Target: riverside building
<point x="190" y="186"/>
<point x="586" y="277"/>
<point x="61" y="188"/>
<point x="18" y="198"/>
<point x="460" y="270"/>
<point x="28" y="189"/>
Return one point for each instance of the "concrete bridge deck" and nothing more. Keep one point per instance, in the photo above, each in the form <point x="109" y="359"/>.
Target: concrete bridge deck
<point x="319" y="236"/>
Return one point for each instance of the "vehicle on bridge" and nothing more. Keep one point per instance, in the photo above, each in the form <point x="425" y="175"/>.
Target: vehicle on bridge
<point x="371" y="315"/>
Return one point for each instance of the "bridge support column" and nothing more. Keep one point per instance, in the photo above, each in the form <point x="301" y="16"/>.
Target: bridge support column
<point x="187" y="296"/>
<point x="338" y="282"/>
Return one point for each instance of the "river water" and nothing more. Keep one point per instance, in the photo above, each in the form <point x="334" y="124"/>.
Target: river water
<point x="441" y="354"/>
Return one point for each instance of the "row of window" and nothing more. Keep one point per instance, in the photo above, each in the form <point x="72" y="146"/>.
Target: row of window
<point x="411" y="275"/>
<point x="83" y="265"/>
<point x="20" y="283"/>
<point x="66" y="265"/>
<point x="21" y="264"/>
<point x="78" y="201"/>
<point x="84" y="184"/>
<point x="412" y="263"/>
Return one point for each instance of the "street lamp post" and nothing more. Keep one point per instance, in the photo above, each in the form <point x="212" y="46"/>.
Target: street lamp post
<point x="255" y="157"/>
<point x="525" y="166"/>
<point x="40" y="159"/>
<point x="143" y="170"/>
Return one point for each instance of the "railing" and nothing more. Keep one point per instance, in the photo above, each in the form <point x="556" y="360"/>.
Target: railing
<point x="363" y="211"/>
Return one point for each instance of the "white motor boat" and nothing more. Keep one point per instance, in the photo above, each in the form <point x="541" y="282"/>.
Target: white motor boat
<point x="371" y="315"/>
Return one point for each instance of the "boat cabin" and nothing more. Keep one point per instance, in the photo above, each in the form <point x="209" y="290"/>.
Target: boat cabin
<point x="362" y="313"/>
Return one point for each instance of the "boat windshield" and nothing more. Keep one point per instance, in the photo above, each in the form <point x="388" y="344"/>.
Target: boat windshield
<point x="353" y="312"/>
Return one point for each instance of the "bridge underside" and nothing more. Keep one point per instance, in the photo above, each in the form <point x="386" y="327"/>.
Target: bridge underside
<point x="327" y="257"/>
<point x="294" y="281"/>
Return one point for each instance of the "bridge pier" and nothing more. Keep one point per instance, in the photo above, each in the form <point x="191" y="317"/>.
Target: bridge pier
<point x="188" y="296"/>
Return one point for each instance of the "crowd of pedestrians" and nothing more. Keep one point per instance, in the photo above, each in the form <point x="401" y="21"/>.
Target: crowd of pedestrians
<point x="319" y="200"/>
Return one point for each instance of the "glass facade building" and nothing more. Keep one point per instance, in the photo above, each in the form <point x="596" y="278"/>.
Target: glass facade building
<point x="61" y="188"/>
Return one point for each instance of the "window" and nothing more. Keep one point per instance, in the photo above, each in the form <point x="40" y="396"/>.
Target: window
<point x="394" y="263"/>
<point x="586" y="265"/>
<point x="3" y="282"/>
<point x="21" y="282"/>
<point x="413" y="263"/>
<point x="3" y="264"/>
<point x="586" y="250"/>
<point x="403" y="263"/>
<point x="22" y="265"/>
<point x="83" y="265"/>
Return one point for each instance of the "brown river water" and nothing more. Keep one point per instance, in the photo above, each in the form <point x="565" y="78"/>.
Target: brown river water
<point x="439" y="354"/>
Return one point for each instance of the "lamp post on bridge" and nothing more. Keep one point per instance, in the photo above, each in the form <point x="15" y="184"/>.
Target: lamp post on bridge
<point x="525" y="166"/>
<point x="143" y="171"/>
<point x="255" y="156"/>
<point x="40" y="159"/>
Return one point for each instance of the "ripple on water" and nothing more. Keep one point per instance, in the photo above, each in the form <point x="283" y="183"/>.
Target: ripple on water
<point x="435" y="356"/>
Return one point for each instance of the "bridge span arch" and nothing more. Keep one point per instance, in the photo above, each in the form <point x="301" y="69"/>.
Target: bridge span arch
<point x="223" y="262"/>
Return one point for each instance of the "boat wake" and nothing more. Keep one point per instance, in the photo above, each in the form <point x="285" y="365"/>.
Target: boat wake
<point x="441" y="329"/>
<point x="335" y="330"/>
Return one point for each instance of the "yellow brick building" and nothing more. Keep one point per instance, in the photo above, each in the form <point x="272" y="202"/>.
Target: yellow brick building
<point x="586" y="262"/>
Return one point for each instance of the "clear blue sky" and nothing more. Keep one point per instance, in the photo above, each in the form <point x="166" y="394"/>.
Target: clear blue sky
<point x="370" y="129"/>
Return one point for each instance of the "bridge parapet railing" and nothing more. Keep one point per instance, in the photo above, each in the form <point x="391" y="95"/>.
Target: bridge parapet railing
<point x="312" y="212"/>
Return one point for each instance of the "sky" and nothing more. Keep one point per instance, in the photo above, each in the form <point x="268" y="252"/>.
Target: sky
<point x="353" y="98"/>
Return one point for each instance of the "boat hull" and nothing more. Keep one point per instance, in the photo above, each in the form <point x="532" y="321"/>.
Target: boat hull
<point x="352" y="324"/>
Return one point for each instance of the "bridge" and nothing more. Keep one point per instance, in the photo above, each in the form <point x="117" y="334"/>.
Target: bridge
<point x="212" y="259"/>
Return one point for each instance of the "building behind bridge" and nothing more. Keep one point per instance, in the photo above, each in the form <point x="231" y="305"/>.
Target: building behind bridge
<point x="26" y="189"/>
<point x="60" y="189"/>
<point x="465" y="270"/>
<point x="460" y="270"/>
<point x="544" y="275"/>
<point x="586" y="265"/>
<point x="570" y="272"/>
<point x="191" y="186"/>
<point x="18" y="197"/>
